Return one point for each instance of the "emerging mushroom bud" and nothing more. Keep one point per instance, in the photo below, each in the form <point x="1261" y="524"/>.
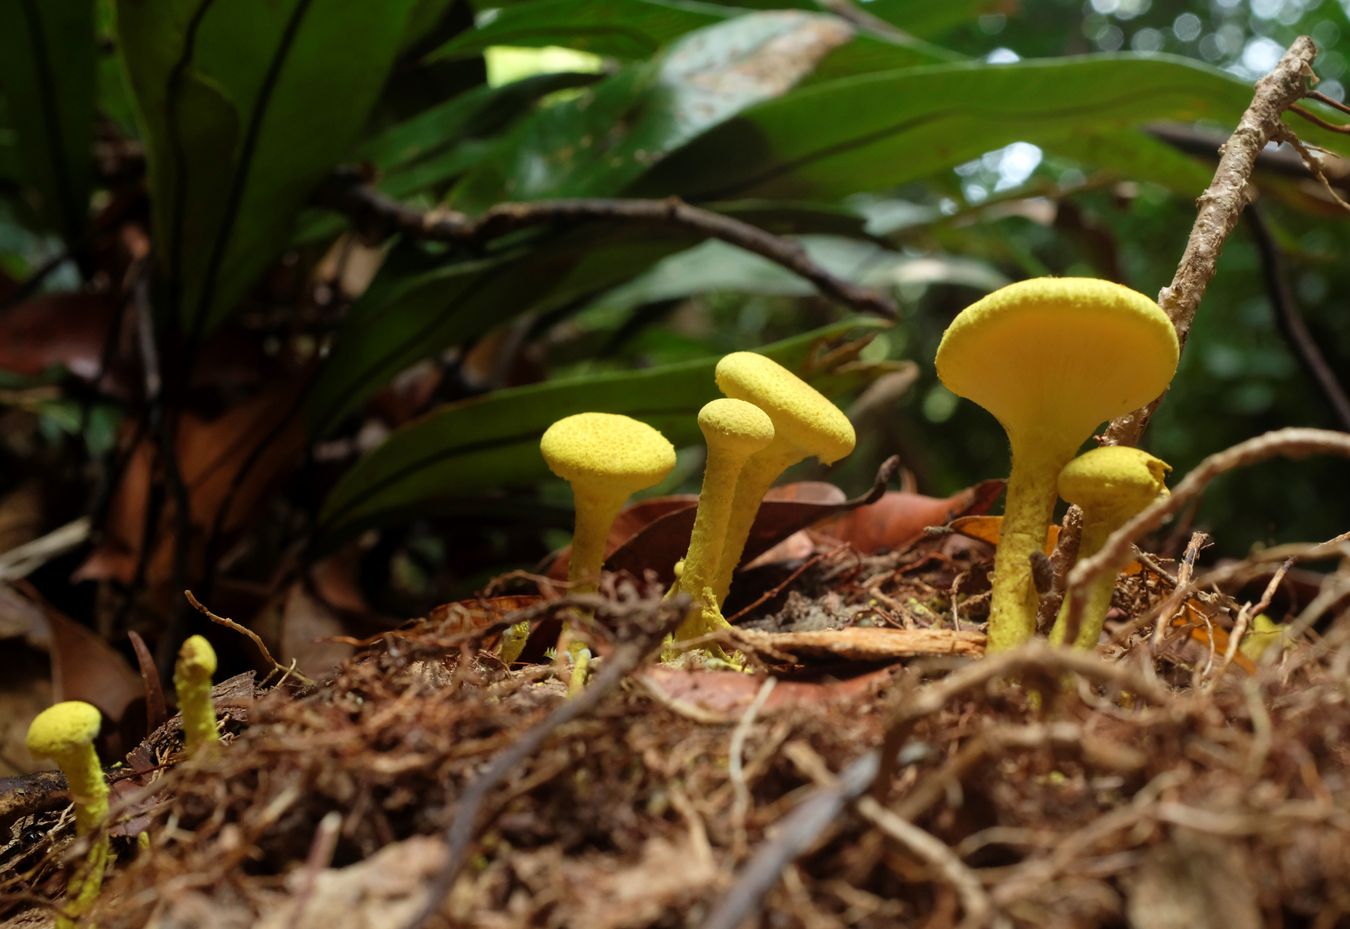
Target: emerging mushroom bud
<point x="735" y="431"/>
<point x="1112" y="485"/>
<point x="1051" y="358"/>
<point x="65" y="733"/>
<point x="805" y="425"/>
<point x="192" y="682"/>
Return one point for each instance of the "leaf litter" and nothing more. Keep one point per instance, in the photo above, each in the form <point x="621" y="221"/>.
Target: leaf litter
<point x="885" y="777"/>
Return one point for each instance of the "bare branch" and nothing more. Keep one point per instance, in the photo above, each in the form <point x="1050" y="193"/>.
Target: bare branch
<point x="377" y="216"/>
<point x="1221" y="205"/>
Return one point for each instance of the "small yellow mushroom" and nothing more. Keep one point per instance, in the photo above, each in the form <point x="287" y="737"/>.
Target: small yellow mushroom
<point x="805" y="424"/>
<point x="65" y="733"/>
<point x="192" y="682"/>
<point x="606" y="458"/>
<point x="735" y="431"/>
<point x="1112" y="485"/>
<point x="1051" y="358"/>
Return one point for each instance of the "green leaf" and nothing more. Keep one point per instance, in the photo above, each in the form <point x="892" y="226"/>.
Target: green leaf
<point x="603" y="140"/>
<point x="429" y="150"/>
<point x="1132" y="153"/>
<point x="867" y="133"/>
<point x="717" y="266"/>
<point x="244" y="107"/>
<point x="631" y="29"/>
<point x="493" y="442"/>
<point x="47" y="63"/>
<point x="423" y="301"/>
<point x="929" y="20"/>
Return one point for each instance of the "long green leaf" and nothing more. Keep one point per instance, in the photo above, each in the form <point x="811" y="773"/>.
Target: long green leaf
<point x="493" y="442"/>
<point x="604" y="139"/>
<point x="245" y="105"/>
<point x="717" y="266"/>
<point x="866" y="133"/>
<point x="615" y="28"/>
<point x="425" y="301"/>
<point x="47" y="63"/>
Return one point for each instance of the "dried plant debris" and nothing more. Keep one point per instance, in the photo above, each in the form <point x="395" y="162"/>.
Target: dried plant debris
<point x="1161" y="789"/>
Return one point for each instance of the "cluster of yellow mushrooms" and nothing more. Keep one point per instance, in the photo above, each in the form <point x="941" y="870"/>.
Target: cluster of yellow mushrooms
<point x="769" y="420"/>
<point x="1050" y="358"/>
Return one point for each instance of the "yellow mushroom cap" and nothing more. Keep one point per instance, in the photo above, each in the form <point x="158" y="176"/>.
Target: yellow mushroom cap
<point x="735" y="426"/>
<point x="800" y="413"/>
<point x="63" y="728"/>
<point x="196" y="653"/>
<point x="1114" y="477"/>
<point x="1058" y="356"/>
<point x="593" y="449"/>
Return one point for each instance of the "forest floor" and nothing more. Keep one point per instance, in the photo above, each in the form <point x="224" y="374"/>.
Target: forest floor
<point x="870" y="770"/>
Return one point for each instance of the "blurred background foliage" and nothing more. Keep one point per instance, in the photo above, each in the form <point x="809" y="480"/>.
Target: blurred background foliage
<point x="227" y="366"/>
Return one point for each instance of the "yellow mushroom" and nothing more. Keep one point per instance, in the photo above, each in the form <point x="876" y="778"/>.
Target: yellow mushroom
<point x="606" y="458"/>
<point x="65" y="733"/>
<point x="1051" y="358"/>
<point x="192" y="682"/>
<point x="805" y="425"/>
<point x="1112" y="485"/>
<point x="735" y="431"/>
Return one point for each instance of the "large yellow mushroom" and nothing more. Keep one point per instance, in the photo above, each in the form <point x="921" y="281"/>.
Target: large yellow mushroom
<point x="1051" y="358"/>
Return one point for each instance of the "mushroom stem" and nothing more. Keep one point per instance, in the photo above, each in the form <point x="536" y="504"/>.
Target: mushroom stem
<point x="1029" y="507"/>
<point x="756" y="478"/>
<point x="1097" y="601"/>
<point x="735" y="430"/>
<point x="595" y="514"/>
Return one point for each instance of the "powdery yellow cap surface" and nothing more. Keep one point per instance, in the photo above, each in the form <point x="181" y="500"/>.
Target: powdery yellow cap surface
<point x="607" y="447"/>
<point x="65" y="726"/>
<point x="800" y="413"/>
<point x="735" y="426"/>
<point x="1115" y="476"/>
<point x="1059" y="355"/>
<point x="197" y="653"/>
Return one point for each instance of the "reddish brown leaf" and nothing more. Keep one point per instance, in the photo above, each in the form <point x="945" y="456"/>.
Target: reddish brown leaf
<point x="68" y="329"/>
<point x="84" y="667"/>
<point x="727" y="694"/>
<point x="898" y="518"/>
<point x="211" y="456"/>
<point x="155" y="710"/>
<point x="785" y="510"/>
